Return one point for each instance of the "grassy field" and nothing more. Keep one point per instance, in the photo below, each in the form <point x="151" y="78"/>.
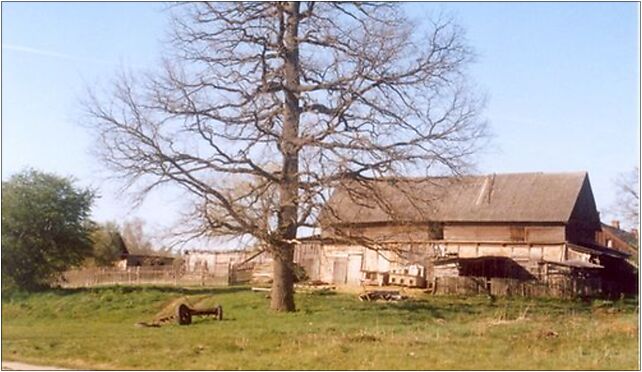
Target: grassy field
<point x="94" y="329"/>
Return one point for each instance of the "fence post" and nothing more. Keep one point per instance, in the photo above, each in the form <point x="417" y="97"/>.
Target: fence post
<point x="176" y="271"/>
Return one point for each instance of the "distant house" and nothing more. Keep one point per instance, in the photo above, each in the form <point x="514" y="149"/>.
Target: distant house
<point x="613" y="236"/>
<point x="524" y="225"/>
<point x="130" y="259"/>
<point x="216" y="261"/>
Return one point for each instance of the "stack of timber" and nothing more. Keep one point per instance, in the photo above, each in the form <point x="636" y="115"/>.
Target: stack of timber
<point x="382" y="296"/>
<point x="374" y="278"/>
<point x="408" y="276"/>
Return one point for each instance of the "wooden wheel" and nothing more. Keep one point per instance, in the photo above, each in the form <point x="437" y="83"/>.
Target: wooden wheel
<point x="183" y="315"/>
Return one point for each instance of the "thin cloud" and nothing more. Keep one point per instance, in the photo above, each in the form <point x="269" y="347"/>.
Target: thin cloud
<point x="69" y="57"/>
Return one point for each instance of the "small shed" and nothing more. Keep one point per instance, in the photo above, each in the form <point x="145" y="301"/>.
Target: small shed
<point x="145" y="260"/>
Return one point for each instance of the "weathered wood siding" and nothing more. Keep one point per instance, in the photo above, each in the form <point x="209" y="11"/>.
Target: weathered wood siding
<point x="584" y="221"/>
<point x="585" y="211"/>
<point x="578" y="233"/>
<point x="607" y="238"/>
<point x="322" y="262"/>
<point x="563" y="287"/>
<point x="526" y="251"/>
<point x="391" y="232"/>
<point x="505" y="233"/>
<point x="339" y="264"/>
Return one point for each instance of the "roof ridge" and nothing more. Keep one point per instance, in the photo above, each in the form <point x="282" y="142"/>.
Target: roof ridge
<point x="419" y="178"/>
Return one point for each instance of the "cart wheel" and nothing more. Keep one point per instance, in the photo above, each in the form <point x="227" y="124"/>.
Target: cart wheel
<point x="183" y="315"/>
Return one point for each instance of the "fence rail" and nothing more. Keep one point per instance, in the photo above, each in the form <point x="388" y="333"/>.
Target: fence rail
<point x="144" y="275"/>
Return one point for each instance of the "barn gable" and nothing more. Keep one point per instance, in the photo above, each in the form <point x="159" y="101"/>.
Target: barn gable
<point x="585" y="210"/>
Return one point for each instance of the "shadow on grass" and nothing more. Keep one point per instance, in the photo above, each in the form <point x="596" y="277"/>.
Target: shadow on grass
<point x="445" y="307"/>
<point x="437" y="309"/>
<point x="17" y="294"/>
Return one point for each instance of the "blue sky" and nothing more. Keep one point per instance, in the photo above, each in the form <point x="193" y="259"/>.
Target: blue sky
<point x="562" y="81"/>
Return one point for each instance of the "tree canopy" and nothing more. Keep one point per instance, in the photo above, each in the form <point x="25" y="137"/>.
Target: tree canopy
<point x="261" y="109"/>
<point x="45" y="228"/>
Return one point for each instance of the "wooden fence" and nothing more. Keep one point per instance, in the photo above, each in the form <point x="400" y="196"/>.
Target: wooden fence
<point x="91" y="277"/>
<point x="567" y="288"/>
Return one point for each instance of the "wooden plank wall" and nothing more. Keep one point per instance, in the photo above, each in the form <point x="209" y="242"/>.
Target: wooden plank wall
<point x="504" y="233"/>
<point x="563" y="287"/>
<point x="410" y="232"/>
<point x="318" y="260"/>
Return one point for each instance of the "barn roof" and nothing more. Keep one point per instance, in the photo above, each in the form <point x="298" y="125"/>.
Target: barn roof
<point x="516" y="197"/>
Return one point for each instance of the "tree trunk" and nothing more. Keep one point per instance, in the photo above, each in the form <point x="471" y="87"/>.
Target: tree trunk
<point x="282" y="279"/>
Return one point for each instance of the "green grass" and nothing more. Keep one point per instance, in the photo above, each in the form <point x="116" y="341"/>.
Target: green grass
<point x="94" y="329"/>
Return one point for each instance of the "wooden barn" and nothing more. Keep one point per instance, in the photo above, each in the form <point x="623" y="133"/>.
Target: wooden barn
<point x="525" y="226"/>
<point x="131" y="258"/>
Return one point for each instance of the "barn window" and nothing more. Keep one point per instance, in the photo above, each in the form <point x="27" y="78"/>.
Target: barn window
<point x="436" y="231"/>
<point x="517" y="233"/>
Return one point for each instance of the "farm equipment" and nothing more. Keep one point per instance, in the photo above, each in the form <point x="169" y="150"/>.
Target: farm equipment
<point x="185" y="313"/>
<point x="181" y="311"/>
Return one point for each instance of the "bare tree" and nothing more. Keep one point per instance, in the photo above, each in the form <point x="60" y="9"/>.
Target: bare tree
<point x="291" y="100"/>
<point x="627" y="202"/>
<point x="136" y="241"/>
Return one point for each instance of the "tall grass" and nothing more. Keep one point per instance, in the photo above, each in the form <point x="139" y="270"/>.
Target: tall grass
<point x="94" y="328"/>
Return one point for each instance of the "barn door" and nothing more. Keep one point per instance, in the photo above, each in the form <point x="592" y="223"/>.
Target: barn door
<point x="354" y="269"/>
<point x="340" y="270"/>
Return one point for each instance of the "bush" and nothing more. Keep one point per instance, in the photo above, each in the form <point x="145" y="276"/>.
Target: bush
<point x="45" y="228"/>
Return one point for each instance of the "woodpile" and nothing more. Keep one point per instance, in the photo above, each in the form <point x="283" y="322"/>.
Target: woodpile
<point x="408" y="276"/>
<point x="382" y="296"/>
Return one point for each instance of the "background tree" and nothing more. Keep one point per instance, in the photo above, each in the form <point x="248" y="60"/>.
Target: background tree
<point x="138" y="241"/>
<point x="135" y="238"/>
<point x="108" y="244"/>
<point x="328" y="92"/>
<point x="627" y="201"/>
<point x="45" y="228"/>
